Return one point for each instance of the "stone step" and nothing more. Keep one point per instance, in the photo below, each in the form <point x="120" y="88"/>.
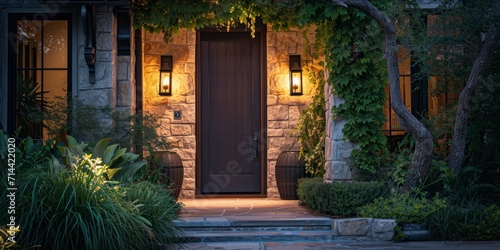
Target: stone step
<point x="259" y="228"/>
<point x="223" y="222"/>
<point x="252" y="236"/>
<point x="222" y="229"/>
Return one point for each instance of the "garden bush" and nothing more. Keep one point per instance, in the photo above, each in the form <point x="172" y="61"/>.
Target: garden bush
<point x="404" y="208"/>
<point x="338" y="198"/>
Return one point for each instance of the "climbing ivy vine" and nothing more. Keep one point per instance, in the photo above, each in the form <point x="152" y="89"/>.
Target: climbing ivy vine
<point x="359" y="81"/>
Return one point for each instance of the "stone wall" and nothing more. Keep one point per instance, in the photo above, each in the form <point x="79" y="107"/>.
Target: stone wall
<point x="283" y="110"/>
<point x="101" y="93"/>
<point x="282" y="113"/>
<point x="337" y="148"/>
<point x="181" y="133"/>
<point x="364" y="229"/>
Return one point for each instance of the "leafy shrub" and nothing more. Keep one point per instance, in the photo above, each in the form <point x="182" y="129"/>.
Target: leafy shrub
<point x="404" y="208"/>
<point x="338" y="198"/>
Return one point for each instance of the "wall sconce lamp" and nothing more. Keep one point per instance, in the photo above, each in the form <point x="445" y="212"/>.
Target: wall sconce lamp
<point x="295" y="75"/>
<point x="165" y="85"/>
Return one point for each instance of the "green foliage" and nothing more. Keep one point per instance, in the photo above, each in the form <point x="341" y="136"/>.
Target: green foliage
<point x="483" y="136"/>
<point x="471" y="221"/>
<point x="29" y="106"/>
<point x="73" y="116"/>
<point x="399" y="236"/>
<point x="464" y="187"/>
<point x="338" y="198"/>
<point x="139" y="132"/>
<point x="170" y="15"/>
<point x="359" y="81"/>
<point x="311" y="128"/>
<point x="404" y="208"/>
<point x="122" y="165"/>
<point x="74" y="200"/>
<point x="158" y="206"/>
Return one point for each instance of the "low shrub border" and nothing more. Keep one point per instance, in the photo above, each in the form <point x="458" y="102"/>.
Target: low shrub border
<point x="338" y="198"/>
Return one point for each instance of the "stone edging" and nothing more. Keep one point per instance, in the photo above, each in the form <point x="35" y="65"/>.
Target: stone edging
<point x="364" y="228"/>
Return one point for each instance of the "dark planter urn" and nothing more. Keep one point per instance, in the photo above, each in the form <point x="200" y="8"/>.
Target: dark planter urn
<point x="171" y="164"/>
<point x="415" y="232"/>
<point x="289" y="168"/>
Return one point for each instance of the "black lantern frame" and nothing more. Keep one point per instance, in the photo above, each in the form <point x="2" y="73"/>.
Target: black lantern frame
<point x="295" y="75"/>
<point x="165" y="82"/>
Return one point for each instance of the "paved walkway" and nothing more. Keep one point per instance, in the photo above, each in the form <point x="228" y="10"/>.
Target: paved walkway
<point x="243" y="209"/>
<point x="268" y="209"/>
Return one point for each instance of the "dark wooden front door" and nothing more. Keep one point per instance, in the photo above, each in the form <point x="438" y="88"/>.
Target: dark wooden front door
<point x="229" y="113"/>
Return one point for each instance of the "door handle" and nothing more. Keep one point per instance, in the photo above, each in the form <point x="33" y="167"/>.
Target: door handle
<point x="256" y="146"/>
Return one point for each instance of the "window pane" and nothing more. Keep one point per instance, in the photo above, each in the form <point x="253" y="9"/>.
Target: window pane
<point x="41" y="45"/>
<point x="55" y="44"/>
<point x="55" y="82"/>
<point x="29" y="44"/>
<point x="404" y="61"/>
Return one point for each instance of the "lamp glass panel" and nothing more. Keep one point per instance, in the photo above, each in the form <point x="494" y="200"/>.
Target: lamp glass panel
<point x="165" y="83"/>
<point x="296" y="82"/>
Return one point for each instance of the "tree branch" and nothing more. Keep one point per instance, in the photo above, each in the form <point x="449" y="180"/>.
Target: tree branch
<point x="464" y="106"/>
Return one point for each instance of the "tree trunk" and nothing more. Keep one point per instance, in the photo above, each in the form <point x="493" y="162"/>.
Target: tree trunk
<point x="423" y="138"/>
<point x="456" y="156"/>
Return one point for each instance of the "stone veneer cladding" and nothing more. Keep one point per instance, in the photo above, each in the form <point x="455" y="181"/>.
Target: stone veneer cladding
<point x="101" y="93"/>
<point x="283" y="110"/>
<point x="180" y="133"/>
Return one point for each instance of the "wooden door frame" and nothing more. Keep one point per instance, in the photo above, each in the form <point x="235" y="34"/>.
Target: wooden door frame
<point x="261" y="29"/>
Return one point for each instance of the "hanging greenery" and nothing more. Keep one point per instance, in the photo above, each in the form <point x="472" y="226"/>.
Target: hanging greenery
<point x="358" y="78"/>
<point x="360" y="81"/>
<point x="311" y="127"/>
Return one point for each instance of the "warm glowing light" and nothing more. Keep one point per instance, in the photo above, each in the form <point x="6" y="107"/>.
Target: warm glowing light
<point x="296" y="82"/>
<point x="166" y="82"/>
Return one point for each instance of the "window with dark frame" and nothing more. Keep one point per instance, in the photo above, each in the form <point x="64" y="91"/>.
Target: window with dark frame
<point x="39" y="69"/>
<point x="425" y="96"/>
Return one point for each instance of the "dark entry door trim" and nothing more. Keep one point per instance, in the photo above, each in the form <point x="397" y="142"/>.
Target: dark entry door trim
<point x="261" y="34"/>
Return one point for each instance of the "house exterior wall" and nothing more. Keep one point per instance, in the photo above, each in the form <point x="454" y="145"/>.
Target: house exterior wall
<point x="283" y="110"/>
<point x="102" y="92"/>
<point x="114" y="84"/>
<point x="180" y="133"/>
